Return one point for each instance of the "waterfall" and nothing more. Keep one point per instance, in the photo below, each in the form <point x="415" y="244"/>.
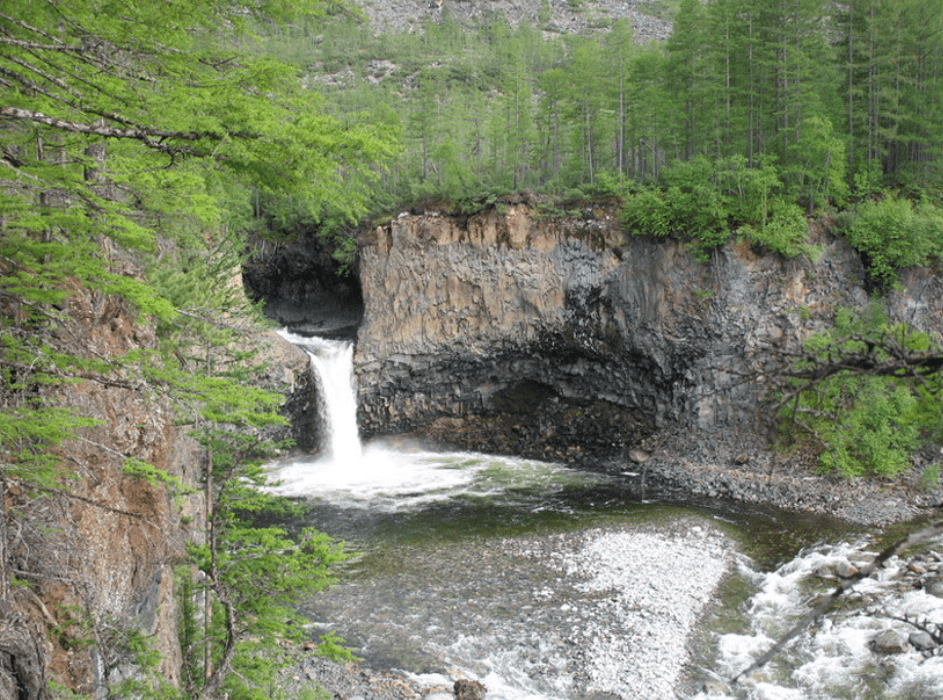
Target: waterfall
<point x="332" y="364"/>
<point x="382" y="475"/>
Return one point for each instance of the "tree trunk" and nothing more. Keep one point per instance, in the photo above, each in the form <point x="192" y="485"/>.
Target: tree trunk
<point x="22" y="658"/>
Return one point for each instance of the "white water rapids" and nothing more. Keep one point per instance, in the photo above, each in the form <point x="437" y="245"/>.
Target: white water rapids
<point x="606" y="606"/>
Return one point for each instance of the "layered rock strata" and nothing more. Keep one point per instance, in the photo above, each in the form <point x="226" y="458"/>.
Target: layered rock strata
<point x="565" y="337"/>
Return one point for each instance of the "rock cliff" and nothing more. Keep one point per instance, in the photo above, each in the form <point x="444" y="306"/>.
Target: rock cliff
<point x="566" y="337"/>
<point x="648" y="19"/>
<point x="98" y="554"/>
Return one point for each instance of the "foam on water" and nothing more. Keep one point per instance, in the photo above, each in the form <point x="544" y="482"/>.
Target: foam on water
<point x="834" y="658"/>
<point x="395" y="477"/>
<point x="385" y="476"/>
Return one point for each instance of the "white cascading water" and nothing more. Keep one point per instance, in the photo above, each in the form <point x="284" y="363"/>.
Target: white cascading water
<point x="333" y="362"/>
<point x="377" y="476"/>
<point x="833" y="659"/>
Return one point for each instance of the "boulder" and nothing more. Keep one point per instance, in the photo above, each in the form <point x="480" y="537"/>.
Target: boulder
<point x="469" y="690"/>
<point x="922" y="641"/>
<point x="934" y="587"/>
<point x="889" y="642"/>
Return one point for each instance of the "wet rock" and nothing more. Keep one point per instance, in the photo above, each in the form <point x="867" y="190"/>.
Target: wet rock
<point x="716" y="687"/>
<point x="469" y="690"/>
<point x="889" y="642"/>
<point x="844" y="569"/>
<point x="934" y="587"/>
<point x="921" y="641"/>
<point x="639" y="456"/>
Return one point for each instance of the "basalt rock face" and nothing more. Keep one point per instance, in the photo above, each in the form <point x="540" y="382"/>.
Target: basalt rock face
<point x="567" y="338"/>
<point x="305" y="287"/>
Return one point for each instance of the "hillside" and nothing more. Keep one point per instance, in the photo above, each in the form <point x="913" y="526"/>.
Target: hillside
<point x="651" y="19"/>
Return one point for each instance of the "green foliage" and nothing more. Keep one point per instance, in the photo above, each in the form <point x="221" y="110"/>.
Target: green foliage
<point x="261" y="573"/>
<point x="135" y="135"/>
<point x="930" y="478"/>
<point x="702" y="200"/>
<point x="786" y="231"/>
<point x="139" y="469"/>
<point x="859" y="425"/>
<point x="688" y="204"/>
<point x="893" y="233"/>
<point x="868" y="431"/>
<point x="928" y="413"/>
<point x="647" y="213"/>
<point x="818" y="159"/>
<point x="751" y="190"/>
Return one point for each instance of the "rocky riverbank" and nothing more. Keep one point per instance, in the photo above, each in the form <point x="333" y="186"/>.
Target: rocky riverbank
<point x="680" y="466"/>
<point x="744" y="469"/>
<point x="610" y="618"/>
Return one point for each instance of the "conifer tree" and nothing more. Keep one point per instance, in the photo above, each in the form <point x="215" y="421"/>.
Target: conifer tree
<point x="128" y="129"/>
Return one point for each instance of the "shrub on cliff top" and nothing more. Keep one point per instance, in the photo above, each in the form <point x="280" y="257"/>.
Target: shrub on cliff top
<point x="704" y="200"/>
<point x="860" y="406"/>
<point x="893" y="233"/>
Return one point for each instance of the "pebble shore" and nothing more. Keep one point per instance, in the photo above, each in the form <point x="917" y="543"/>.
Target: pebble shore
<point x="658" y="587"/>
<point x="623" y="607"/>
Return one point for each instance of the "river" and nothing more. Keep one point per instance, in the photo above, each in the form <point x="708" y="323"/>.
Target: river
<point x="547" y="582"/>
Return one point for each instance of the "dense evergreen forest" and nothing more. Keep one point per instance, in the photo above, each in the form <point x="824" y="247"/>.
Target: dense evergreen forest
<point x="751" y="115"/>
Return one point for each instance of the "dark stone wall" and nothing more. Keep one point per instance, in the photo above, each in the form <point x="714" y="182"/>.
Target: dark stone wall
<point x="566" y="338"/>
<point x="304" y="287"/>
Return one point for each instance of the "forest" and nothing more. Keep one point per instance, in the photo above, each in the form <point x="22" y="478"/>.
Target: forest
<point x="752" y="116"/>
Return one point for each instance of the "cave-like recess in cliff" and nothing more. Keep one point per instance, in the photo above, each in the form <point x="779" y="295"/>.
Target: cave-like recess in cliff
<point x="305" y="288"/>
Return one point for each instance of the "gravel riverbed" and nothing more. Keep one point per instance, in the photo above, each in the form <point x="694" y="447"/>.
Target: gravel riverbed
<point x="743" y="468"/>
<point x="605" y="613"/>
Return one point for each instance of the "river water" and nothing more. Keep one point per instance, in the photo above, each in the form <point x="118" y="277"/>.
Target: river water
<point x="547" y="582"/>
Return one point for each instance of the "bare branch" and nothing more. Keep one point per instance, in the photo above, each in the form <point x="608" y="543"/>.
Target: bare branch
<point x="36" y="46"/>
<point x="90" y="501"/>
<point x="35" y="30"/>
<point x="144" y="134"/>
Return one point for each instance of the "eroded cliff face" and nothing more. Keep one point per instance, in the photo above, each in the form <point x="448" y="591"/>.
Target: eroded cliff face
<point x="99" y="552"/>
<point x="565" y="337"/>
